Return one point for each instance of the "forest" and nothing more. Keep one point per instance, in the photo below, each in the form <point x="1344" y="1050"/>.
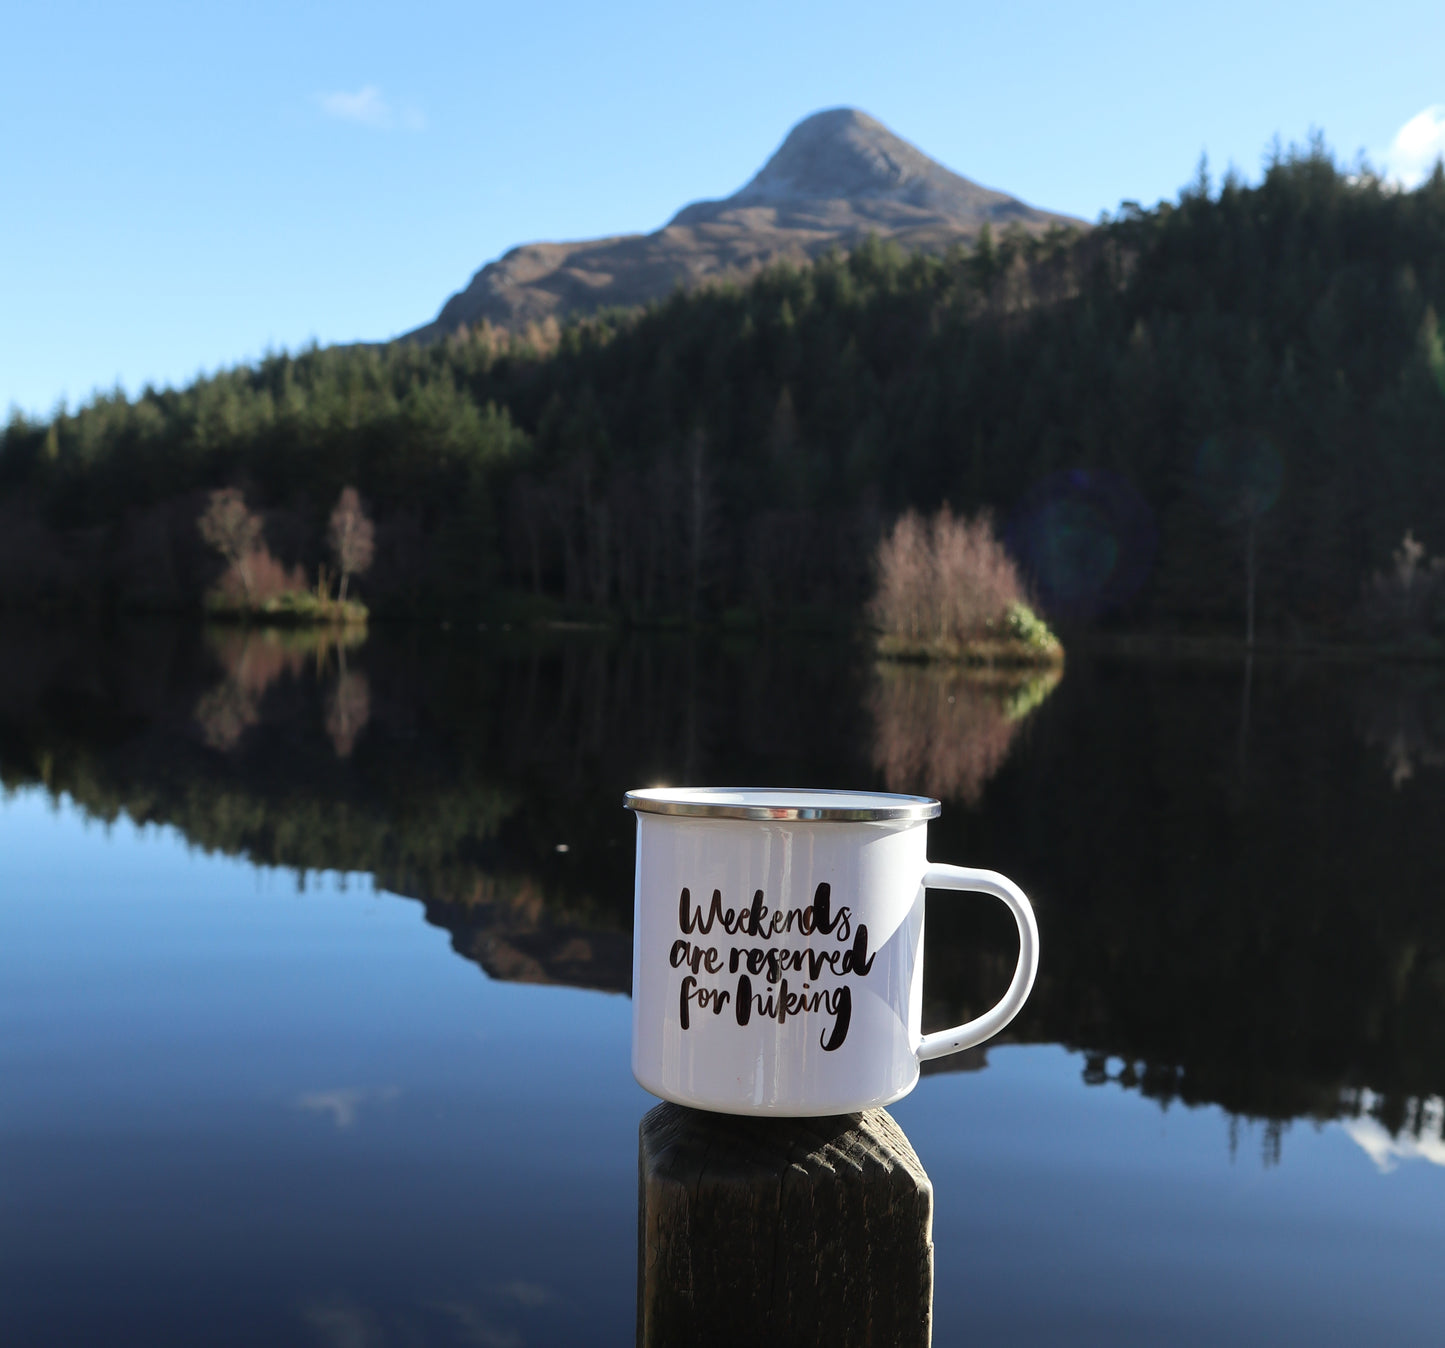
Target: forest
<point x="1227" y="406"/>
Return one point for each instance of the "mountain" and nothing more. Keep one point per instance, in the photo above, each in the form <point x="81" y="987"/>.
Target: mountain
<point x="838" y="176"/>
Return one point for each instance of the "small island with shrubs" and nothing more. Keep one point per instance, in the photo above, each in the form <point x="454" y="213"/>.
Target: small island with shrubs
<point x="255" y="586"/>
<point x="949" y="591"/>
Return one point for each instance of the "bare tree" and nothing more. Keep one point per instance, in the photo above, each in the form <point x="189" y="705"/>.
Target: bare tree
<point x="352" y="537"/>
<point x="233" y="531"/>
<point x="905" y="573"/>
<point x="944" y="580"/>
<point x="975" y="581"/>
<point x="1409" y="599"/>
<point x="700" y="519"/>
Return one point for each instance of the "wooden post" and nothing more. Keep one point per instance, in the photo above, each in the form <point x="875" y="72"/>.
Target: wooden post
<point x="782" y="1231"/>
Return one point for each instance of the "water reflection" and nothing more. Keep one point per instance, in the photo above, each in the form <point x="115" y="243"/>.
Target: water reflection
<point x="343" y="1106"/>
<point x="946" y="730"/>
<point x="1272" y="942"/>
<point x="1420" y="1137"/>
<point x="1402" y="714"/>
<point x="342" y="1322"/>
<point x="254" y="659"/>
<point x="348" y="708"/>
<point x="507" y="926"/>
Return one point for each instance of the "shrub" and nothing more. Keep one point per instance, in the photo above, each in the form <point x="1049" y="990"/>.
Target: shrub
<point x="1407" y="601"/>
<point x="255" y="582"/>
<point x="948" y="587"/>
<point x="1023" y="625"/>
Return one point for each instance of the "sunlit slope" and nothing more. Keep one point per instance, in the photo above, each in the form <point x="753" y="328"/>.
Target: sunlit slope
<point x="839" y="176"/>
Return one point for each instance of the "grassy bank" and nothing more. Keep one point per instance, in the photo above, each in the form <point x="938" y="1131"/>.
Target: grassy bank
<point x="294" y="608"/>
<point x="1022" y="640"/>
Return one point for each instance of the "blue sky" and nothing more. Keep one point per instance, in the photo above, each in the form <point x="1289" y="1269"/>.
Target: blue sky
<point x="188" y="186"/>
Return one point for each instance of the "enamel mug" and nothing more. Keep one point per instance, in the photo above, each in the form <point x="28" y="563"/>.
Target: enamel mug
<point x="777" y="950"/>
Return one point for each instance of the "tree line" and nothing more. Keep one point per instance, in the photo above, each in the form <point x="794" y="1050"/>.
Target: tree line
<point x="1223" y="409"/>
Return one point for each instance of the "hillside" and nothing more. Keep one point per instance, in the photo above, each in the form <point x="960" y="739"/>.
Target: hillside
<point x="839" y="176"/>
<point x="1248" y="382"/>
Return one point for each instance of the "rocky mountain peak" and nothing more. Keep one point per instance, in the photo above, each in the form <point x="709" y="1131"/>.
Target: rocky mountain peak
<point x="838" y="176"/>
<point x="844" y="155"/>
<point x="840" y="153"/>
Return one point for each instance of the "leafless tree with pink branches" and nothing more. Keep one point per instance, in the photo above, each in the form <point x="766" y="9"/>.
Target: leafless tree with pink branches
<point x="234" y="532"/>
<point x="352" y="537"/>
<point x="944" y="581"/>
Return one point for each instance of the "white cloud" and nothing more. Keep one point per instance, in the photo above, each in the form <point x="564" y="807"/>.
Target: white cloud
<point x="1416" y="147"/>
<point x="368" y="106"/>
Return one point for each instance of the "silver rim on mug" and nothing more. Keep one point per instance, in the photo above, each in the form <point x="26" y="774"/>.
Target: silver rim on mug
<point x="782" y="803"/>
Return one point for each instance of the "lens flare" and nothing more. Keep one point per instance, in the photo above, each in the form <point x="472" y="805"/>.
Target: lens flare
<point x="1087" y="541"/>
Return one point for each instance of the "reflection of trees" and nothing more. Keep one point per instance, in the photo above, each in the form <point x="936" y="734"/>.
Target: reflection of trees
<point x="1401" y="713"/>
<point x="1274" y="949"/>
<point x="348" y="708"/>
<point x="254" y="659"/>
<point x="944" y="730"/>
<point x="226" y="713"/>
<point x="1269" y="950"/>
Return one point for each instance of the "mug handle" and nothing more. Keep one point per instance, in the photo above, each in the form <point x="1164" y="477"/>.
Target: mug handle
<point x="939" y="876"/>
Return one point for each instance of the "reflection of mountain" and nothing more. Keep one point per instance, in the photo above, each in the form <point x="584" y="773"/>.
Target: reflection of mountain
<point x="509" y="929"/>
<point x="1267" y="937"/>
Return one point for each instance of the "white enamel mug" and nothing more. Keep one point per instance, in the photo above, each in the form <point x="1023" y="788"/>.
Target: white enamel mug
<point x="777" y="950"/>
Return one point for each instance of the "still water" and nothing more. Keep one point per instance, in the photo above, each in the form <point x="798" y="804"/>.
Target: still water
<point x="313" y="971"/>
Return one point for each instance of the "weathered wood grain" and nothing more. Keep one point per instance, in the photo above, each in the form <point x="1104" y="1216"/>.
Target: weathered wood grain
<point x="781" y="1232"/>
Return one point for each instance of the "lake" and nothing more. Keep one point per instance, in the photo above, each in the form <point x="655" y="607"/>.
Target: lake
<point x="314" y="964"/>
